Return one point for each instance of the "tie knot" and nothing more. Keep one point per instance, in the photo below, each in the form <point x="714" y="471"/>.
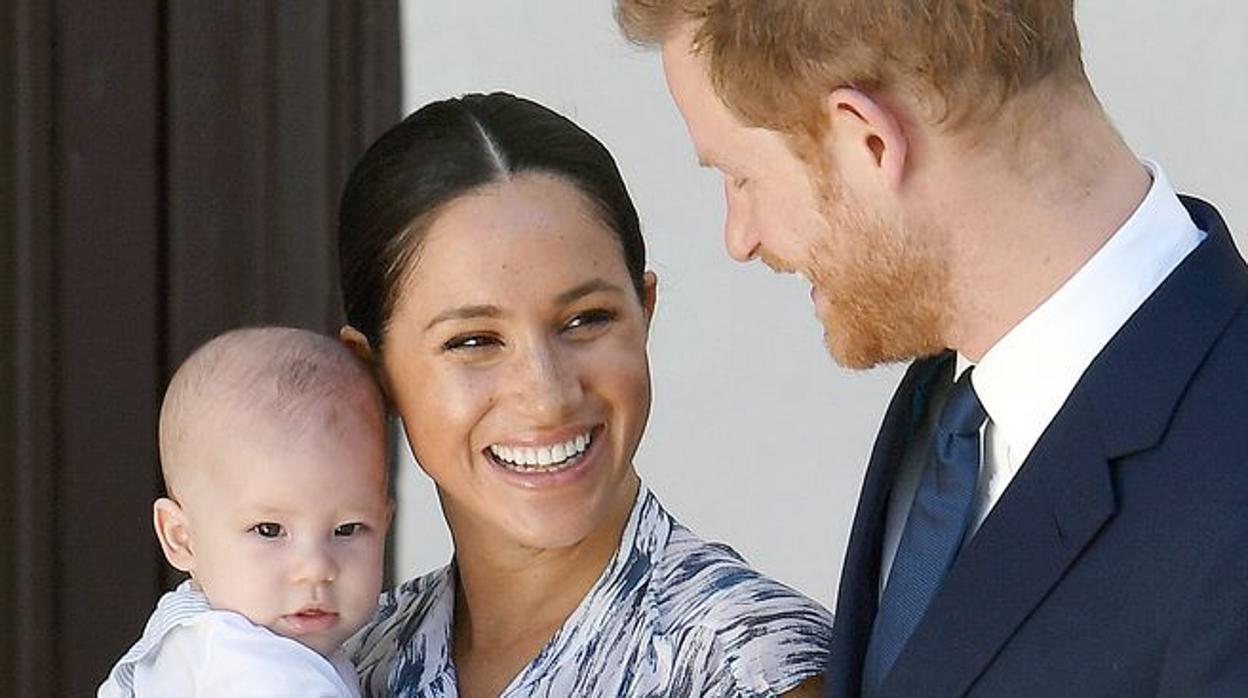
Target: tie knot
<point x="962" y="413"/>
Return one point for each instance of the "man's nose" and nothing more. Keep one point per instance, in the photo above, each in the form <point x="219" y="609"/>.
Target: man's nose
<point x="739" y="236"/>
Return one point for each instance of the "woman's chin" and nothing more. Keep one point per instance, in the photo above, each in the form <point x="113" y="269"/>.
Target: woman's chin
<point x="566" y="517"/>
<point x="552" y="534"/>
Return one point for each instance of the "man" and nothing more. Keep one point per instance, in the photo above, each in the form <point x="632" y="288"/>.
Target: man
<point x="1057" y="502"/>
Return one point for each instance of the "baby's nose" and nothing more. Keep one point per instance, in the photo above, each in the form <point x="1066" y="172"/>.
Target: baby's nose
<point x="316" y="566"/>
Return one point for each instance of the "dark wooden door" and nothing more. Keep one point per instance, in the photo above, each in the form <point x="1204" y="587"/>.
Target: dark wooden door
<point x="169" y="170"/>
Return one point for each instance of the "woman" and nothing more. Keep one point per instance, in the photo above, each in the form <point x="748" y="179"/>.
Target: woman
<point x="494" y="275"/>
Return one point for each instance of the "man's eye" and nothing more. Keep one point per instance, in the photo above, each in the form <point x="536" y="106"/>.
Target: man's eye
<point x="268" y="529"/>
<point x="348" y="529"/>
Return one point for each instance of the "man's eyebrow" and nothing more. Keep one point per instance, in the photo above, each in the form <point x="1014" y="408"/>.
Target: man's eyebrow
<point x="581" y="290"/>
<point x="464" y="312"/>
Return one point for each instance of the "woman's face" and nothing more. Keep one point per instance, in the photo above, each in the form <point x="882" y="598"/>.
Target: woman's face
<point x="516" y="356"/>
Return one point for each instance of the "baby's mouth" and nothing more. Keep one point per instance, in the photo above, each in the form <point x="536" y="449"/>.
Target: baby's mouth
<point x="550" y="458"/>
<point x="312" y="618"/>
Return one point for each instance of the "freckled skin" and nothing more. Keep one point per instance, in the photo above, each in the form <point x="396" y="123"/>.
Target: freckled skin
<point x="539" y="370"/>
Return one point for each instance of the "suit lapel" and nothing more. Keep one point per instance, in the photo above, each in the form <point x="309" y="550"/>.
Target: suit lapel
<point x="1063" y="495"/>
<point x="1060" y="499"/>
<point x="858" y="593"/>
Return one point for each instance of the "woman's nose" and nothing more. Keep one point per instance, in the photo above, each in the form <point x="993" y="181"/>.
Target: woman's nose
<point x="740" y="238"/>
<point x="550" y="386"/>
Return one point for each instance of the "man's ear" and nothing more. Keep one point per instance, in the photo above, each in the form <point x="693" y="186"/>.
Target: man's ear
<point x="868" y="140"/>
<point x="651" y="283"/>
<point x="174" y="533"/>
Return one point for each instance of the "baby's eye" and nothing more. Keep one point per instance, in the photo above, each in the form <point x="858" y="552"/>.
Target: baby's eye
<point x="348" y="529"/>
<point x="268" y="529"/>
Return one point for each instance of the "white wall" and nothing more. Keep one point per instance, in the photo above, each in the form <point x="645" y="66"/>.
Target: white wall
<point x="756" y="438"/>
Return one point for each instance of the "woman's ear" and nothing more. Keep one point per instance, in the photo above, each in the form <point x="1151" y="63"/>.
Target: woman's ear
<point x="357" y="343"/>
<point x="651" y="282"/>
<point x="174" y="533"/>
<point x="362" y="348"/>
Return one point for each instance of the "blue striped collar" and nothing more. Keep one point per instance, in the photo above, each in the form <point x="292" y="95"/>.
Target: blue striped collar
<point x="427" y="640"/>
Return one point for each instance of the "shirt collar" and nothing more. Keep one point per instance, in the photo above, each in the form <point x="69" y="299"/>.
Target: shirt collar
<point x="645" y="535"/>
<point x="1025" y="378"/>
<point x="628" y="573"/>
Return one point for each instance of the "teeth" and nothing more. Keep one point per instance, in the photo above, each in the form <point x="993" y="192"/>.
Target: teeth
<point x="544" y="458"/>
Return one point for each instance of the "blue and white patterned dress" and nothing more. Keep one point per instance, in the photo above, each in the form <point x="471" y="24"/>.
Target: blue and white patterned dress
<point x="672" y="615"/>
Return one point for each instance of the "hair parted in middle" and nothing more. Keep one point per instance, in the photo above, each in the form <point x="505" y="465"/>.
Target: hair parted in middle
<point x="773" y="62"/>
<point x="448" y="149"/>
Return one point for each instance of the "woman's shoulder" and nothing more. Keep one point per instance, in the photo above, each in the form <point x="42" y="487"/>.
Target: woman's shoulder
<point x="710" y="583"/>
<point x="414" y="617"/>
<point x="769" y="636"/>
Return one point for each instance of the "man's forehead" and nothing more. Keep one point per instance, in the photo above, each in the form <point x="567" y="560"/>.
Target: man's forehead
<point x="705" y="115"/>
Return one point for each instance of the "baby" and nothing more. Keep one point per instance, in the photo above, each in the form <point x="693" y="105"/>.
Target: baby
<point x="273" y="453"/>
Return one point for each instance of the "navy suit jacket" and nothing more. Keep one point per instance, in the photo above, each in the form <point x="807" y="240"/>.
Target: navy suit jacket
<point x="1116" y="563"/>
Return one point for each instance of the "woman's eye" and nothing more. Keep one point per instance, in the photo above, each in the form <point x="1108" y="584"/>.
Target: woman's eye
<point x="469" y="342"/>
<point x="590" y="318"/>
<point x="348" y="529"/>
<point x="268" y="529"/>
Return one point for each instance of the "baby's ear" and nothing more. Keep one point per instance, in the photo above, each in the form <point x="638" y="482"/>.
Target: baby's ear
<point x="174" y="533"/>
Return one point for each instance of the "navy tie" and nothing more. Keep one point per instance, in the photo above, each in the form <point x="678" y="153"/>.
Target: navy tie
<point x="933" y="533"/>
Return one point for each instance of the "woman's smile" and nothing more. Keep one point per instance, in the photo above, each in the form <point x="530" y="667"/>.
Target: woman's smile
<point x="546" y="463"/>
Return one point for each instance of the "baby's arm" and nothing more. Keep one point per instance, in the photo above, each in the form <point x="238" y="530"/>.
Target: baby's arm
<point x="231" y="657"/>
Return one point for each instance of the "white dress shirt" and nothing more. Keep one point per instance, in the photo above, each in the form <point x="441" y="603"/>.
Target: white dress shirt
<point x="1025" y="378"/>
<point x="191" y="649"/>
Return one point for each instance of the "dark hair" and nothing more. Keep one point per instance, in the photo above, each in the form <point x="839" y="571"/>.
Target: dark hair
<point x="443" y="151"/>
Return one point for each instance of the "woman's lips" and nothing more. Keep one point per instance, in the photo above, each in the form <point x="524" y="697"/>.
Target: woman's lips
<point x="551" y="464"/>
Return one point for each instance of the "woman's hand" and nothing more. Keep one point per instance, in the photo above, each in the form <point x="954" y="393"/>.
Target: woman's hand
<point x="810" y="688"/>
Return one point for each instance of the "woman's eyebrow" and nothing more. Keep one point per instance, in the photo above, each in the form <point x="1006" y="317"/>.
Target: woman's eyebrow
<point x="581" y="290"/>
<point x="464" y="312"/>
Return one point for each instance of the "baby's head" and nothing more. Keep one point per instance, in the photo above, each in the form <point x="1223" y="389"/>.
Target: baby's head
<point x="273" y="453"/>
